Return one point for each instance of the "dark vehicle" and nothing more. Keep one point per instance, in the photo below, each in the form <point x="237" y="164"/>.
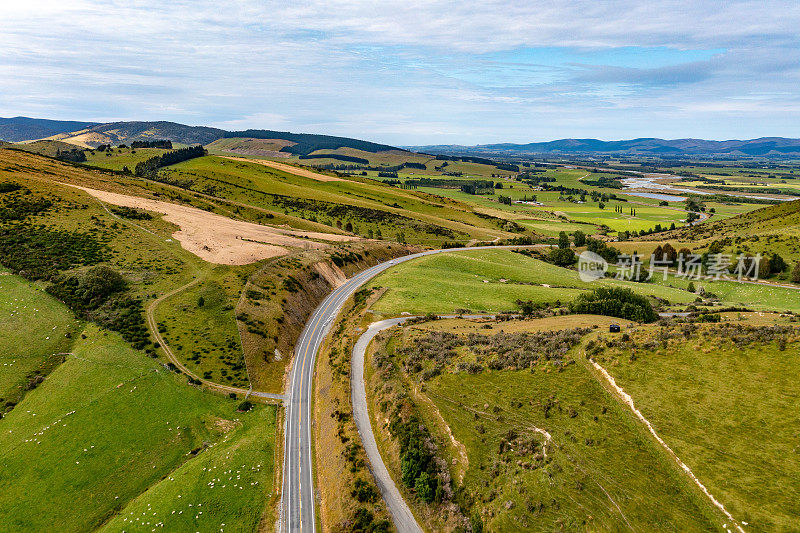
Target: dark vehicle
<point x="613" y="328"/>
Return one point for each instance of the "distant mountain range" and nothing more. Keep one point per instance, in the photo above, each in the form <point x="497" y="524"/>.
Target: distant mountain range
<point x="765" y="146"/>
<point x="91" y="135"/>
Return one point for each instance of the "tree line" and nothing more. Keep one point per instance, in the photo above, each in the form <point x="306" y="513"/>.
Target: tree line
<point x="150" y="166"/>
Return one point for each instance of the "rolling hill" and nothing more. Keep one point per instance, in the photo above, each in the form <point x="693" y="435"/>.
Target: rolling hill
<point x="126" y="132"/>
<point x="769" y="230"/>
<point x="775" y="219"/>
<point x="305" y="143"/>
<point x="91" y="135"/>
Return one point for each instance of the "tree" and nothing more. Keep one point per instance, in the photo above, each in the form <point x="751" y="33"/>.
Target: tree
<point x="562" y="257"/>
<point x="691" y="287"/>
<point x="201" y="302"/>
<point x="563" y="240"/>
<point x="579" y="237"/>
<point x="777" y="264"/>
<point x="601" y="205"/>
<point x="620" y="303"/>
<point x="796" y="273"/>
<point x="425" y="487"/>
<point x="658" y="253"/>
<point x="670" y="254"/>
<point x="764" y="268"/>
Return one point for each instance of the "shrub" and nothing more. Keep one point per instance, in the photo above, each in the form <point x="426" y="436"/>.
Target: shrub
<point x="620" y="303"/>
<point x="425" y="487"/>
<point x="364" y="492"/>
<point x="245" y="406"/>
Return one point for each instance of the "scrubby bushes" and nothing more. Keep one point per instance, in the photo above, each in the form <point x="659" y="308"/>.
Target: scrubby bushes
<point x="100" y="294"/>
<point x="9" y="186"/>
<point x="561" y="257"/>
<point x="131" y="213"/>
<point x="418" y="467"/>
<point x="37" y="252"/>
<point x="74" y="155"/>
<point x="620" y="303"/>
<point x="167" y="145"/>
<point x="609" y="253"/>
<point x="17" y="204"/>
<point x="431" y="353"/>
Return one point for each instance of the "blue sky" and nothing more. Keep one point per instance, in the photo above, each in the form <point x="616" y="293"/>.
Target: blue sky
<point x="410" y="72"/>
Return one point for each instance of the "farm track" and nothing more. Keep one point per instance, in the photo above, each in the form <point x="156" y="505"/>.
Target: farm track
<point x="609" y="382"/>
<point x="152" y="324"/>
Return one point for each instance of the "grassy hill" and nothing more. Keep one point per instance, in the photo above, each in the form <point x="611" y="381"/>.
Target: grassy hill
<point x="45" y="147"/>
<point x="109" y="428"/>
<point x="368" y="206"/>
<point x="305" y="143"/>
<point x="489" y="281"/>
<point x="723" y="397"/>
<point x="538" y="448"/>
<point x="772" y="229"/>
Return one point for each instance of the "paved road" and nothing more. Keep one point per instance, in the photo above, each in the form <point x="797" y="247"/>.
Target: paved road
<point x="298" y="512"/>
<point x="402" y="517"/>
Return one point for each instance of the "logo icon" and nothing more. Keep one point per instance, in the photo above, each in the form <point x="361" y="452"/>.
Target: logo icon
<point x="591" y="266"/>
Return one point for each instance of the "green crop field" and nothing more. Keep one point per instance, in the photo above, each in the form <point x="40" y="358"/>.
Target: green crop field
<point x="107" y="425"/>
<point x="473" y="280"/>
<point x="725" y="400"/>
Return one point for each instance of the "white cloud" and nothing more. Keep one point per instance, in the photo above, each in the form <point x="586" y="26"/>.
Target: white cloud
<point x="402" y="72"/>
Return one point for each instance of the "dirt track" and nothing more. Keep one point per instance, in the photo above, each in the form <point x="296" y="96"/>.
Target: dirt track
<point x="218" y="239"/>
<point x="287" y="168"/>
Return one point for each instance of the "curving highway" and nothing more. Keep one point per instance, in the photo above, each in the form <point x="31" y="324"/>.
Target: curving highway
<point x="298" y="510"/>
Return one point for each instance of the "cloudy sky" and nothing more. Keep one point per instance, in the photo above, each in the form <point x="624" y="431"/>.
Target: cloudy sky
<point x="406" y="72"/>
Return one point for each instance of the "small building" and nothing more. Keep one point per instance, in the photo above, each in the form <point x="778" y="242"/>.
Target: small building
<point x="614" y="328"/>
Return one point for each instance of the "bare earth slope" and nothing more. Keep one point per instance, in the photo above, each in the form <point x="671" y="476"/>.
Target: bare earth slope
<point x="219" y="239"/>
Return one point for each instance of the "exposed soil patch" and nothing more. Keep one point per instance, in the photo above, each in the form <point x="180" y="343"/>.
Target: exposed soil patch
<point x="218" y="239"/>
<point x="223" y="426"/>
<point x="331" y="273"/>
